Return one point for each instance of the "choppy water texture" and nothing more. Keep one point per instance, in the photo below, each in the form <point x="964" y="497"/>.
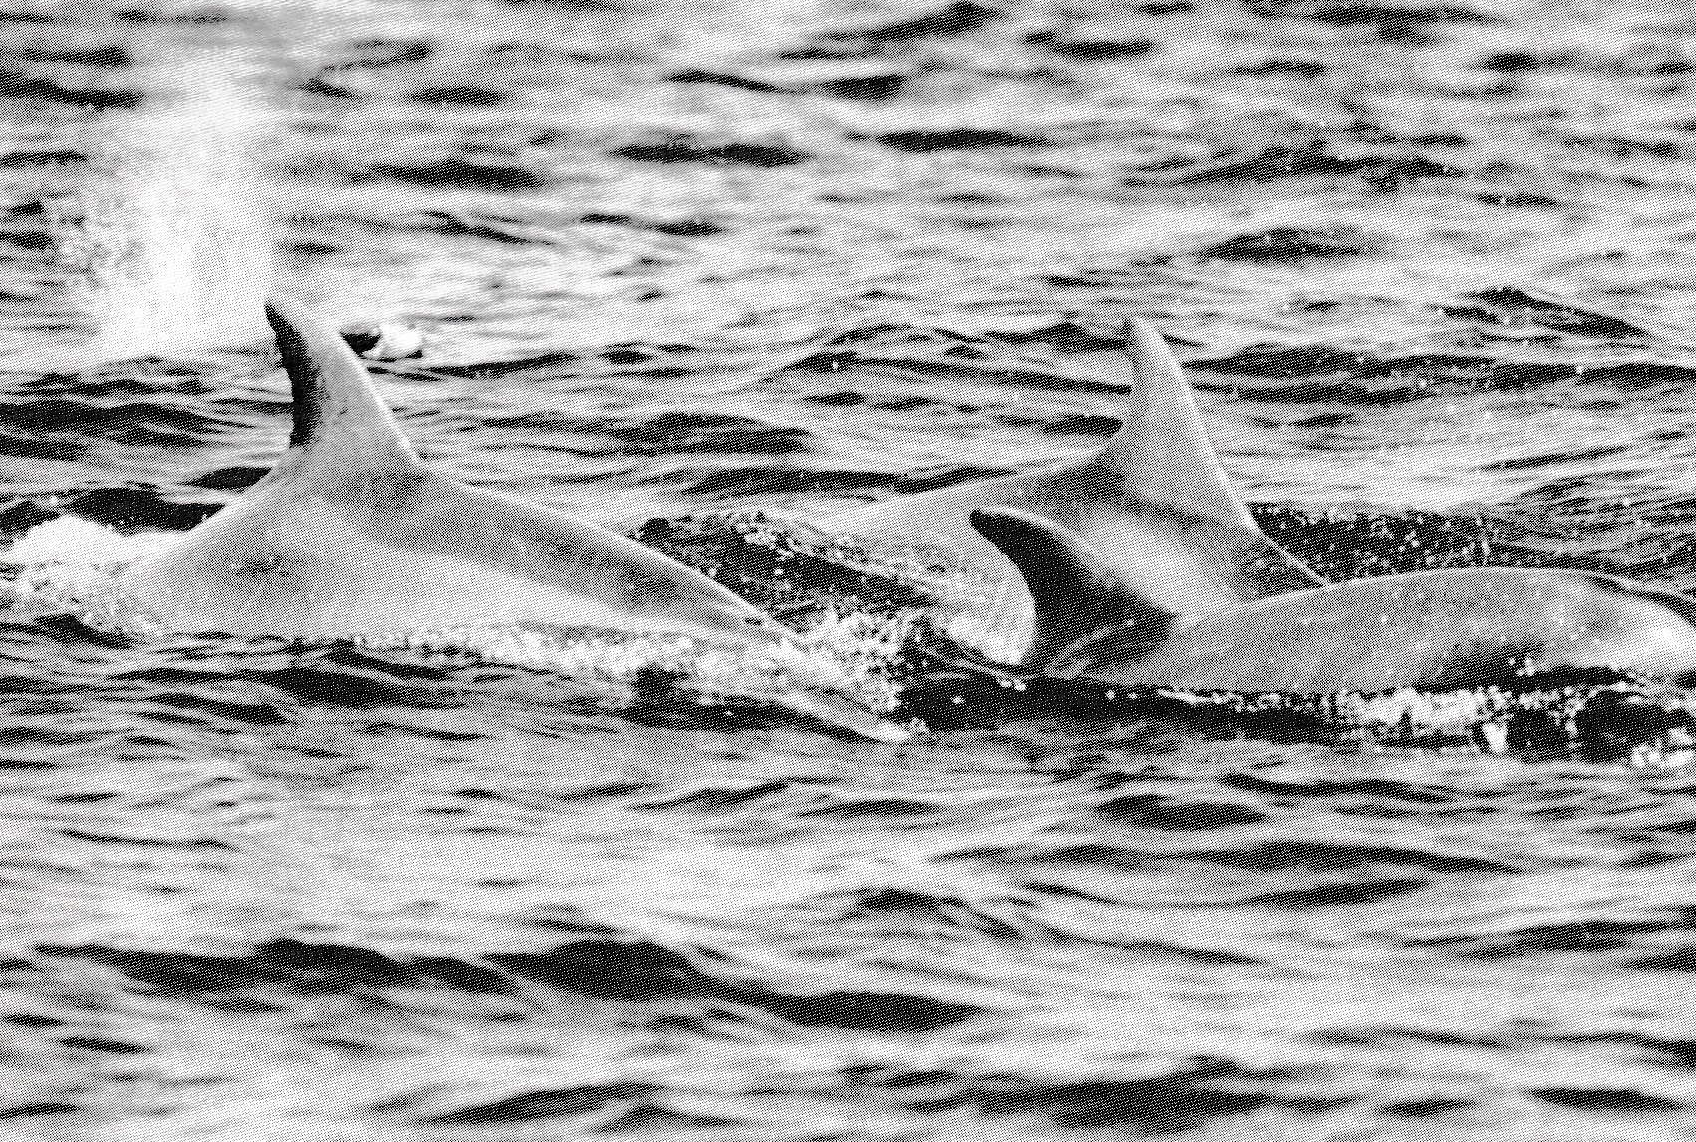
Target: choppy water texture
<point x="1431" y="267"/>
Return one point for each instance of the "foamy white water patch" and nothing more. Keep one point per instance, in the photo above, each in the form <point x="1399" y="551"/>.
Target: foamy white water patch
<point x="846" y="656"/>
<point x="1488" y="718"/>
<point x="176" y="245"/>
<point x="71" y="564"/>
<point x="73" y="541"/>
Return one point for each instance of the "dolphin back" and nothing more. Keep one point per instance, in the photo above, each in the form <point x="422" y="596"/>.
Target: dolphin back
<point x="350" y="534"/>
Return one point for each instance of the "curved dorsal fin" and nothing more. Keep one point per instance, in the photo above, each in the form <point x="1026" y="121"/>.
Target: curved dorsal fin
<point x="338" y="417"/>
<point x="1162" y="450"/>
<point x="1075" y="592"/>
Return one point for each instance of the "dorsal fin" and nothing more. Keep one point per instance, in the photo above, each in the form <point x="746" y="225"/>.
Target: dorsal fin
<point x="1162" y="450"/>
<point x="338" y="417"/>
<point x="1075" y="592"/>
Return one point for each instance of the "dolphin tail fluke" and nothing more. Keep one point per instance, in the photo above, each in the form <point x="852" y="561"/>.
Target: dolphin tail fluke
<point x="338" y="416"/>
<point x="1075" y="592"/>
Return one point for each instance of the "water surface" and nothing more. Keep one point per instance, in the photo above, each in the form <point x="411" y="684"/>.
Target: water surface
<point x="1429" y="266"/>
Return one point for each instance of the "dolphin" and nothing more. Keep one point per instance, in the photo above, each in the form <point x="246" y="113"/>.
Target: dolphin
<point x="1154" y="504"/>
<point x="350" y="533"/>
<point x="1448" y="629"/>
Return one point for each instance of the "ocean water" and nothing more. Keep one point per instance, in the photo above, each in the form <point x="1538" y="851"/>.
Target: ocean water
<point x="697" y="274"/>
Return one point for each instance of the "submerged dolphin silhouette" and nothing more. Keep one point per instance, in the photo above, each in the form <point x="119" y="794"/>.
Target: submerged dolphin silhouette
<point x="1154" y="504"/>
<point x="350" y="533"/>
<point x="1449" y="629"/>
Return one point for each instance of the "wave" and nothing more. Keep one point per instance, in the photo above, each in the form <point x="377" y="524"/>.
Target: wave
<point x="1192" y="1095"/>
<point x="110" y="55"/>
<point x="562" y="1101"/>
<point x="830" y="78"/>
<point x="457" y="95"/>
<point x="785" y="568"/>
<point x="1293" y="244"/>
<point x="685" y="148"/>
<point x="676" y="228"/>
<point x="457" y="171"/>
<point x="18" y="84"/>
<point x="1516" y="308"/>
<point x="1384" y="170"/>
<point x="608" y="968"/>
<point x="60" y="157"/>
<point x="723" y="433"/>
<point x="958" y="139"/>
<point x="1409" y="23"/>
<point x="1153" y="811"/>
<point x="960" y="18"/>
<point x="1314" y="374"/>
<point x="1090" y="50"/>
<point x="66" y="427"/>
<point x="1606" y="1099"/>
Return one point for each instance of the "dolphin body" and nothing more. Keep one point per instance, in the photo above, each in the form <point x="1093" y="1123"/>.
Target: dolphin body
<point x="350" y="533"/>
<point x="1154" y="505"/>
<point x="1447" y="629"/>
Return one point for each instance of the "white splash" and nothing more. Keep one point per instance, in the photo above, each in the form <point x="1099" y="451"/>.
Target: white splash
<point x="847" y="656"/>
<point x="71" y="564"/>
<point x="175" y="247"/>
<point x="74" y="541"/>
